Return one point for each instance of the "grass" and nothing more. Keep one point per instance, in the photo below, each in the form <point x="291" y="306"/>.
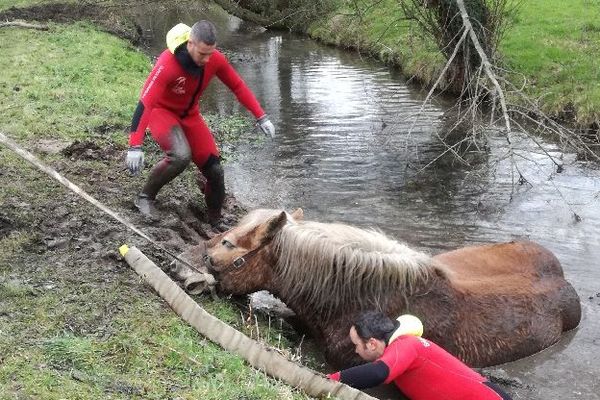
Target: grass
<point x="553" y="45"/>
<point x="383" y="32"/>
<point x="61" y="96"/>
<point x="145" y="351"/>
<point x="75" y="322"/>
<point x="5" y="4"/>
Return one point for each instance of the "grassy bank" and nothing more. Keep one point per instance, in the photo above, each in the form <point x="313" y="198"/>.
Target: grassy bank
<point x="75" y="322"/>
<point x="553" y="45"/>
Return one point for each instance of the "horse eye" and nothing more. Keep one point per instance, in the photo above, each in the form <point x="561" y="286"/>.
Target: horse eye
<point x="227" y="244"/>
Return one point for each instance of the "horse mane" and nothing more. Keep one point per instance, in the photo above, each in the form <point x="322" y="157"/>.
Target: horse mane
<point x="330" y="266"/>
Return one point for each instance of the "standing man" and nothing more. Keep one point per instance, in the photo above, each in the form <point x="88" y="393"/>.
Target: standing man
<point x="419" y="368"/>
<point x="169" y="106"/>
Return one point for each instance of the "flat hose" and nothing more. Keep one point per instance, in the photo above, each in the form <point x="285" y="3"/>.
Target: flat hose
<point x="232" y="340"/>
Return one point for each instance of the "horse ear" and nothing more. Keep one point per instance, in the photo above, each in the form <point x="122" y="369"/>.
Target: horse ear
<point x="273" y="226"/>
<point x="298" y="215"/>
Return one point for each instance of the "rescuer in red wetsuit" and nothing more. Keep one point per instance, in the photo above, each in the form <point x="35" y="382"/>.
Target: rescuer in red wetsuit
<point x="419" y="368"/>
<point x="169" y="106"/>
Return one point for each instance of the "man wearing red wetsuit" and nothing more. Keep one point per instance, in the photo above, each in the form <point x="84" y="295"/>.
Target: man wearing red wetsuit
<point x="419" y="368"/>
<point x="169" y="106"/>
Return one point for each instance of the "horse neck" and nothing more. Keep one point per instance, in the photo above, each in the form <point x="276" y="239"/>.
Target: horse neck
<point x="312" y="313"/>
<point x="431" y="299"/>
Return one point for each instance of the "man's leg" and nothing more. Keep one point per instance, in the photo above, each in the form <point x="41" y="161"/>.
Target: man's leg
<point x="169" y="135"/>
<point x="205" y="155"/>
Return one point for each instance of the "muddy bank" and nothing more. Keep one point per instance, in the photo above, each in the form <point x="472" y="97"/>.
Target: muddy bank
<point x="79" y="239"/>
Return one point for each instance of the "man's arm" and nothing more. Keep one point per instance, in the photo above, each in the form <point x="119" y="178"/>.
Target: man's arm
<point x="153" y="88"/>
<point x="363" y="376"/>
<point x="227" y="74"/>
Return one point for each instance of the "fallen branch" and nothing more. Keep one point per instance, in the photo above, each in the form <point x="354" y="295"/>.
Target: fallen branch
<point x="21" y="24"/>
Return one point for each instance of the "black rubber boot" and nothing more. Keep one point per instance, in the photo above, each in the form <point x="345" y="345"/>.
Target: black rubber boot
<point x="216" y="220"/>
<point x="214" y="193"/>
<point x="214" y="188"/>
<point x="146" y="206"/>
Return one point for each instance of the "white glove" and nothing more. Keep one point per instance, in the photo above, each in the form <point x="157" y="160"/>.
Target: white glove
<point x="135" y="160"/>
<point x="266" y="126"/>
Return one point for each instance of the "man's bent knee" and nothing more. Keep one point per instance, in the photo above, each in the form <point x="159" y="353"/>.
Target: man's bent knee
<point x="179" y="154"/>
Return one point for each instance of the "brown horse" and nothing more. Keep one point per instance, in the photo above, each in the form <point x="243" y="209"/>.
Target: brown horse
<point x="486" y="304"/>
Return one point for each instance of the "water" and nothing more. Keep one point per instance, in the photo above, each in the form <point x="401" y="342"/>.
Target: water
<point x="348" y="150"/>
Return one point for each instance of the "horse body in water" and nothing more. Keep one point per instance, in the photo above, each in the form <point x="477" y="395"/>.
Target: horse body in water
<point x="485" y="304"/>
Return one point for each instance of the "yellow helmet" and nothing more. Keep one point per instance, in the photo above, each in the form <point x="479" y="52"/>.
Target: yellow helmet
<point x="178" y="35"/>
<point x="409" y="325"/>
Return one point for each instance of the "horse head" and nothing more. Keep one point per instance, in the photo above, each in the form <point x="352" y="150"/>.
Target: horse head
<point x="241" y="258"/>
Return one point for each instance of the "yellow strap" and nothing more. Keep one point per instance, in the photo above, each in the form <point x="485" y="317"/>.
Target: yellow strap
<point x="409" y="325"/>
<point x="123" y="250"/>
<point x="178" y="34"/>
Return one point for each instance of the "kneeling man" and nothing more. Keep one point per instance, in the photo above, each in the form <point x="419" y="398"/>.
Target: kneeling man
<point x="421" y="369"/>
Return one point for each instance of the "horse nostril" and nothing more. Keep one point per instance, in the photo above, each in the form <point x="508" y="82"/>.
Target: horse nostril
<point x="208" y="262"/>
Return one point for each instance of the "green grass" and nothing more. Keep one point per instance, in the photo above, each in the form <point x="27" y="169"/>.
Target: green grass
<point x="66" y="337"/>
<point x="383" y="32"/>
<point x="144" y="352"/>
<point x="553" y="44"/>
<point x="58" y="87"/>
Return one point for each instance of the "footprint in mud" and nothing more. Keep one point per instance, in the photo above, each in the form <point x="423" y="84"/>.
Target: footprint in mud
<point x="88" y="150"/>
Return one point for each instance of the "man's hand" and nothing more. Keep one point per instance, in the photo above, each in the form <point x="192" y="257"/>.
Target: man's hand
<point x="266" y="126"/>
<point x="135" y="160"/>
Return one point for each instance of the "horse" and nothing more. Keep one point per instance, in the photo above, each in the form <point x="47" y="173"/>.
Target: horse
<point x="486" y="304"/>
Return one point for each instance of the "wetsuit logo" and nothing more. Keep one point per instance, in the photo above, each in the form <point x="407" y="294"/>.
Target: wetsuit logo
<point x="179" y="87"/>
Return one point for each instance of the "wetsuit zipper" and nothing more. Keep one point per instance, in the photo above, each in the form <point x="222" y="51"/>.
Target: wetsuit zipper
<point x="187" y="110"/>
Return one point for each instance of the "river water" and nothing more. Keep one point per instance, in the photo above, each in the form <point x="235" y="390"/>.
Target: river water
<point x="348" y="149"/>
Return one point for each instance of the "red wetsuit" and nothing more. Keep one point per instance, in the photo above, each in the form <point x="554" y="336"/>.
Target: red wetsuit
<point x="170" y="97"/>
<point x="423" y="370"/>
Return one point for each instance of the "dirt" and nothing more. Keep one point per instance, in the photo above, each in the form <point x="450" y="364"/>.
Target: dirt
<point x="6" y="225"/>
<point x="65" y="223"/>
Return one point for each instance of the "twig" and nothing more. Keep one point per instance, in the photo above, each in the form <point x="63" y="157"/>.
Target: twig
<point x="21" y="24"/>
<point x="432" y="90"/>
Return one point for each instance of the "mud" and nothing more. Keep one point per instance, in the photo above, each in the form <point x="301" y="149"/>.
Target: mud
<point x="70" y="231"/>
<point x="7" y="225"/>
<point x="87" y="150"/>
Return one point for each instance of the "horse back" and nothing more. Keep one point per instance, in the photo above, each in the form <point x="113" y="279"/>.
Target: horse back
<point x="511" y="266"/>
<point x="515" y="268"/>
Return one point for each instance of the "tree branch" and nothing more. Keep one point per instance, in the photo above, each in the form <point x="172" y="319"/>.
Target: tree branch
<point x="22" y="24"/>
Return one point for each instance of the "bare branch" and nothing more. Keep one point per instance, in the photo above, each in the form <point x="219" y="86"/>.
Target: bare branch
<point x="22" y="24"/>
